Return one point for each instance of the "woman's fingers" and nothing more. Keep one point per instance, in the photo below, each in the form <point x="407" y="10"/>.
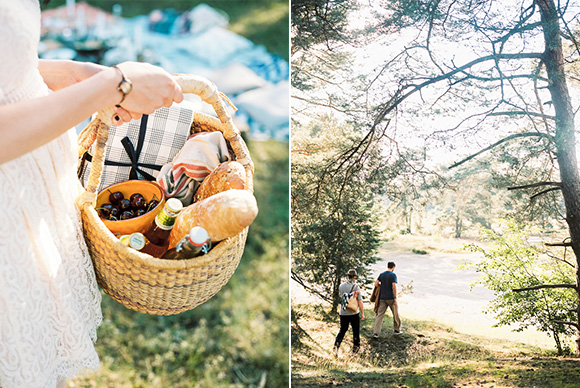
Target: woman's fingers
<point x="121" y="115"/>
<point x="174" y="94"/>
<point x="153" y="88"/>
<point x="136" y="116"/>
<point x="178" y="95"/>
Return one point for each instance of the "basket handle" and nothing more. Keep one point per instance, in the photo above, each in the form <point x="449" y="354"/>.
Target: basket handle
<point x="98" y="129"/>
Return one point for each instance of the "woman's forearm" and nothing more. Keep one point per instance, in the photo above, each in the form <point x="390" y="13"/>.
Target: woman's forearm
<point x="29" y="124"/>
<point x="61" y="73"/>
<point x="26" y="125"/>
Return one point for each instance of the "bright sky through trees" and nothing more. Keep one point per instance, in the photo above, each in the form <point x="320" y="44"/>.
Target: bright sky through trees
<point x="425" y="114"/>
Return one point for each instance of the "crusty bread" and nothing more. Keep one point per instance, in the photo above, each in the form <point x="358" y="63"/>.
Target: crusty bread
<point x="223" y="215"/>
<point x="226" y="176"/>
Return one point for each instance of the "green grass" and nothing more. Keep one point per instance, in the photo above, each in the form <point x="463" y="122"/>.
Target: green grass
<point x="239" y="338"/>
<point x="427" y="355"/>
<point x="264" y="22"/>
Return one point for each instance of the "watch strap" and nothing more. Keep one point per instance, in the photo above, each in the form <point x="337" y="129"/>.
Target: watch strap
<point x="123" y="81"/>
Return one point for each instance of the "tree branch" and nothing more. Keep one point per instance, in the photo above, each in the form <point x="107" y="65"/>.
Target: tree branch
<point x="518" y="30"/>
<point x="554" y="257"/>
<point x="559" y="244"/>
<point x="511" y="137"/>
<point x="308" y="288"/>
<point x="522" y="113"/>
<point x="408" y="90"/>
<point x="505" y="77"/>
<point x="326" y="105"/>
<point x="543" y="286"/>
<point x="568" y="323"/>
<point x="545" y="192"/>
<point x="538" y="184"/>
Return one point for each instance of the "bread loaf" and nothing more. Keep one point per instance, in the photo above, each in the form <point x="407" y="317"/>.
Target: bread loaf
<point x="226" y="176"/>
<point x="223" y="215"/>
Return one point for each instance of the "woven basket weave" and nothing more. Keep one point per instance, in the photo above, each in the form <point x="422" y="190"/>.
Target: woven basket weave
<point x="137" y="280"/>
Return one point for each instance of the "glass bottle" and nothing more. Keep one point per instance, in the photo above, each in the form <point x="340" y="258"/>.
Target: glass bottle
<point x="134" y="240"/>
<point x="195" y="243"/>
<point x="157" y="234"/>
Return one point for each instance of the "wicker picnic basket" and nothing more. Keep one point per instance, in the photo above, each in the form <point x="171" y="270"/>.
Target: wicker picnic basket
<point x="142" y="282"/>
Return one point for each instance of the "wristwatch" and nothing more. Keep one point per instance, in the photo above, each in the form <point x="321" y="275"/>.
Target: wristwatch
<point x="125" y="86"/>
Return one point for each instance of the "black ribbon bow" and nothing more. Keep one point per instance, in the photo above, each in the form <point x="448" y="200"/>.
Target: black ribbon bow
<point x="134" y="155"/>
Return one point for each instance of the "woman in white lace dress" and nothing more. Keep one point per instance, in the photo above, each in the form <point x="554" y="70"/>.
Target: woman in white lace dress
<point x="49" y="300"/>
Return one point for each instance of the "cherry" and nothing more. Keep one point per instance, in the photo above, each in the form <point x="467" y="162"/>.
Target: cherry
<point x="140" y="212"/>
<point x="136" y="195"/>
<point x="138" y="203"/>
<point x="126" y="215"/>
<point x="124" y="204"/>
<point x="116" y="197"/>
<point x="105" y="210"/>
<point x="115" y="213"/>
<point x="152" y="204"/>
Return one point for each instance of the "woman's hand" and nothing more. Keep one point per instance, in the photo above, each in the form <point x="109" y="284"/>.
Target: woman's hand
<point x="152" y="89"/>
<point x="81" y="89"/>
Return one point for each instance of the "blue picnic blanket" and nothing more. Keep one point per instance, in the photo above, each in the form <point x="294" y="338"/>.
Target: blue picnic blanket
<point x="212" y="50"/>
<point x="198" y="42"/>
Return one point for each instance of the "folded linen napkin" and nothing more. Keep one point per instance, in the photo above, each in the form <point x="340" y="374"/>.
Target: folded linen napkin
<point x="200" y="155"/>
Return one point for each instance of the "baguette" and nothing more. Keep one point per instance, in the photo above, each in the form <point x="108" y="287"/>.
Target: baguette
<point x="223" y="215"/>
<point x="226" y="176"/>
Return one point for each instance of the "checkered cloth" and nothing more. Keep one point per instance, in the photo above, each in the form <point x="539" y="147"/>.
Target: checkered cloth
<point x="200" y="155"/>
<point x="138" y="149"/>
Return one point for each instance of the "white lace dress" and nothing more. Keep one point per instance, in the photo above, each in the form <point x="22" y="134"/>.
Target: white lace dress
<point x="49" y="300"/>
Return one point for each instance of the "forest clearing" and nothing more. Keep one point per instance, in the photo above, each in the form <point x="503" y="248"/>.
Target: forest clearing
<point x="447" y="340"/>
<point x="427" y="355"/>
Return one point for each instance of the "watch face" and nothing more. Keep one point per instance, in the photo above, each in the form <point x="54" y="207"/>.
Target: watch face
<point x="125" y="87"/>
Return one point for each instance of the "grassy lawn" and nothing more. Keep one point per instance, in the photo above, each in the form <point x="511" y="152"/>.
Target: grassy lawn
<point x="427" y="355"/>
<point x="239" y="338"/>
<point x="264" y="22"/>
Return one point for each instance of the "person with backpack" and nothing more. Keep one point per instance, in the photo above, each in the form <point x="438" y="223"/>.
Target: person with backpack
<point x="348" y="317"/>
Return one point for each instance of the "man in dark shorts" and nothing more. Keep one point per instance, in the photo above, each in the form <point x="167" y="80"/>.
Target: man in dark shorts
<point x="388" y="298"/>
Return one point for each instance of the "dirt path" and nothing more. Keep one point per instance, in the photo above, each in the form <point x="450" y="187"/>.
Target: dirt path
<point x="441" y="293"/>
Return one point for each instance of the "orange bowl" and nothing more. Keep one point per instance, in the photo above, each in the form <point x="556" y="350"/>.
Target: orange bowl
<point x="149" y="190"/>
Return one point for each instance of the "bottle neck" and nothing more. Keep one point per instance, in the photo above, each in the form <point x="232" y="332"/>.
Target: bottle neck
<point x="187" y="246"/>
<point x="165" y="219"/>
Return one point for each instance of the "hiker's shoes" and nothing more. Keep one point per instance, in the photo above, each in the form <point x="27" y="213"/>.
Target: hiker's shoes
<point x="375" y="336"/>
<point x="398" y="332"/>
<point x="335" y="351"/>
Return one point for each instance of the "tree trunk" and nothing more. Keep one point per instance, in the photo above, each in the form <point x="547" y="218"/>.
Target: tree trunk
<point x="565" y="140"/>
<point x="558" y="343"/>
<point x="336" y="285"/>
<point x="458" y="224"/>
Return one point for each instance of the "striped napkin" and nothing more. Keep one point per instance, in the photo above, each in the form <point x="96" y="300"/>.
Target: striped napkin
<point x="200" y="155"/>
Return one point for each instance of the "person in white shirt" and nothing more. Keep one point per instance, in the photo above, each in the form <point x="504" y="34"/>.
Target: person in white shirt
<point x="347" y="317"/>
